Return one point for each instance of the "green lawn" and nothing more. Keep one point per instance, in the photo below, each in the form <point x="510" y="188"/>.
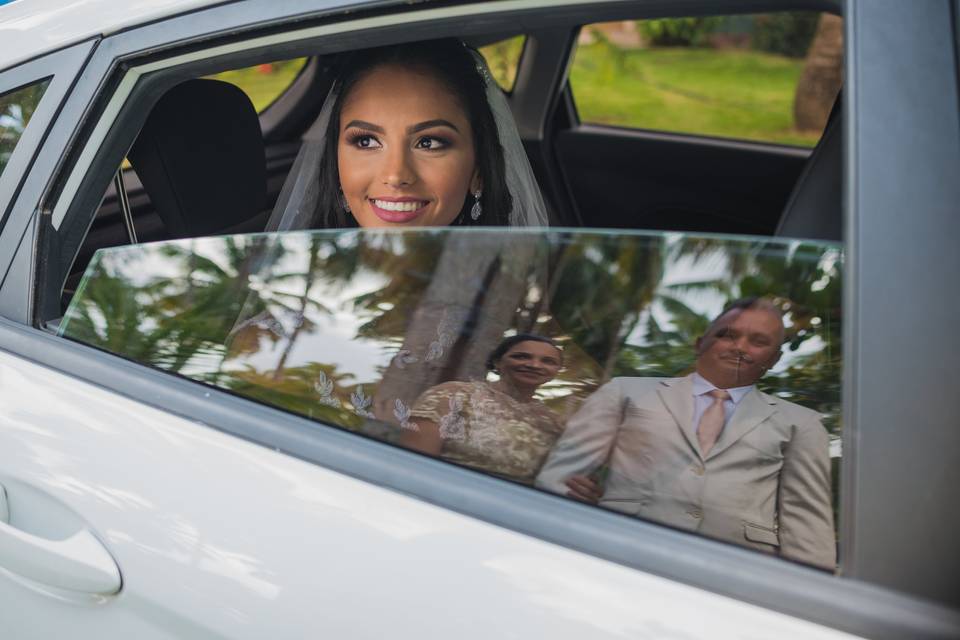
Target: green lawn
<point x="727" y="93"/>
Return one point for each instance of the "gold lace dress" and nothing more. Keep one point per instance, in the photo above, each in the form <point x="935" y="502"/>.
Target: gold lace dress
<point x="486" y="429"/>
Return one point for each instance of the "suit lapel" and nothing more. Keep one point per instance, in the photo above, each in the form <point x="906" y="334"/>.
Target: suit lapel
<point x="677" y="395"/>
<point x="751" y="411"/>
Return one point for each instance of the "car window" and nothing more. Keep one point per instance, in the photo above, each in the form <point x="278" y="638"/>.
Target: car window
<point x="16" y="109"/>
<point x="764" y="77"/>
<point x="264" y="83"/>
<point x="543" y="358"/>
<point x="503" y="58"/>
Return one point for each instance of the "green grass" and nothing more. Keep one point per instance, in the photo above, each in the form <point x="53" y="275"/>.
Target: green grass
<point x="726" y="93"/>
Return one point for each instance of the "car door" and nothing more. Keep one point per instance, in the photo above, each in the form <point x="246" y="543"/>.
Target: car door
<point x="228" y="513"/>
<point x="216" y="514"/>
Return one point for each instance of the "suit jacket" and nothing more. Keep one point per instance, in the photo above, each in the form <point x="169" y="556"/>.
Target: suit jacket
<point x="765" y="483"/>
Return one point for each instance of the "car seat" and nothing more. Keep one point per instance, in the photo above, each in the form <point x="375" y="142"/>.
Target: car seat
<point x="815" y="209"/>
<point x="200" y="157"/>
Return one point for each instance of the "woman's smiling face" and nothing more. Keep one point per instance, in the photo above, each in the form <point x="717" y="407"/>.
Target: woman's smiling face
<point x="405" y="153"/>
<point x="530" y="363"/>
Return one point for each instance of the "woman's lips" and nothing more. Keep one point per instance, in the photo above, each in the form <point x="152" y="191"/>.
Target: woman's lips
<point x="397" y="209"/>
<point x="530" y="374"/>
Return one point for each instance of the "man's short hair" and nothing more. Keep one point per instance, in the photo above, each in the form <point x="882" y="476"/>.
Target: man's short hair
<point x="761" y="303"/>
<point x="753" y="303"/>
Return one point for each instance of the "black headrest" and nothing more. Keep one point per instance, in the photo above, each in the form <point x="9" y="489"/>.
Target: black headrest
<point x="200" y="158"/>
<point x="815" y="207"/>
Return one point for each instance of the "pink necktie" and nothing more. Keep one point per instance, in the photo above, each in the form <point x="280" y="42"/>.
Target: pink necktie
<point x="711" y="423"/>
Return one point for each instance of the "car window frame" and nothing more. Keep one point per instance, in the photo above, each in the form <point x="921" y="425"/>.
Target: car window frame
<point x="60" y="68"/>
<point x="676" y="133"/>
<point x="769" y="579"/>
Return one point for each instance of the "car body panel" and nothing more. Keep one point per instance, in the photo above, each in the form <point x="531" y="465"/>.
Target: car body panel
<point x="32" y="28"/>
<point x="221" y="537"/>
<point x="902" y="191"/>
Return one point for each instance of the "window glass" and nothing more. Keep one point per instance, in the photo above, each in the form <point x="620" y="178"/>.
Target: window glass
<point x="766" y="77"/>
<point x="264" y="83"/>
<point x="16" y="109"/>
<point x="503" y="58"/>
<point x="412" y="338"/>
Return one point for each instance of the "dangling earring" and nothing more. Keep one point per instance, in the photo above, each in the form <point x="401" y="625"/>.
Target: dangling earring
<point x="476" y="210"/>
<point x="344" y="203"/>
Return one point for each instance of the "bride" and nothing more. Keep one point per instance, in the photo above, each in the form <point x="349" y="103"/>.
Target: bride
<point x="414" y="134"/>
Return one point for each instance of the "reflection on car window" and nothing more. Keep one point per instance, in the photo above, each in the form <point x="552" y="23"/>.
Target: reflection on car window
<point x="16" y="109"/>
<point x="766" y="77"/>
<point x="264" y="83"/>
<point x="599" y="366"/>
<point x="503" y="58"/>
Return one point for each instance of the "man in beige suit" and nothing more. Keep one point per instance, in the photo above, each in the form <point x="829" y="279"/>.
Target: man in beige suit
<point x="708" y="452"/>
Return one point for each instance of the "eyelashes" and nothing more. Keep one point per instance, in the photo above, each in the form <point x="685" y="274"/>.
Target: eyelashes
<point x="437" y="143"/>
<point x="362" y="139"/>
<point x="368" y="140"/>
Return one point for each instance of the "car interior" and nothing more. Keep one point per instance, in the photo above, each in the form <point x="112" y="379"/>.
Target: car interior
<point x="206" y="163"/>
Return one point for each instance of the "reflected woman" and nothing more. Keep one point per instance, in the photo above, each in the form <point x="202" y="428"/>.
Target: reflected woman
<point x="497" y="427"/>
<point x="415" y="134"/>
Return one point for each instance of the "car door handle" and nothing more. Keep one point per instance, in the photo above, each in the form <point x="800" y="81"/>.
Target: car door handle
<point x="78" y="563"/>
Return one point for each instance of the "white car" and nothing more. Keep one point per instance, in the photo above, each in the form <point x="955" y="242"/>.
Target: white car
<point x="201" y="425"/>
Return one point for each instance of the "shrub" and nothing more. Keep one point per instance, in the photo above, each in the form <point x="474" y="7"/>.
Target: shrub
<point x="788" y="33"/>
<point x="677" y="32"/>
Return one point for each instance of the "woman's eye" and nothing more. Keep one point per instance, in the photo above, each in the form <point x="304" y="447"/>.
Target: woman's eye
<point x="430" y="143"/>
<point x="363" y="141"/>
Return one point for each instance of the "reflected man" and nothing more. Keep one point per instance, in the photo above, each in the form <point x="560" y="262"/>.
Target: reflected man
<point x="708" y="452"/>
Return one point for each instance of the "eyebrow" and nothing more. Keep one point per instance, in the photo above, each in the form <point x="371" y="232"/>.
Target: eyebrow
<point x="363" y="124"/>
<point x="427" y="124"/>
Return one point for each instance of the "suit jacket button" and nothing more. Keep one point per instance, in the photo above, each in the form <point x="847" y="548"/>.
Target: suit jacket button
<point x="697" y="469"/>
<point x="695" y="513"/>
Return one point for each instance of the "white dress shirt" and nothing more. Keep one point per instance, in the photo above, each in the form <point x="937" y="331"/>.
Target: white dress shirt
<point x="701" y="387"/>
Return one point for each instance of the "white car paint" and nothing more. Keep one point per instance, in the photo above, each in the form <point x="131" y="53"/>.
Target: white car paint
<point x="218" y="537"/>
<point x="31" y="27"/>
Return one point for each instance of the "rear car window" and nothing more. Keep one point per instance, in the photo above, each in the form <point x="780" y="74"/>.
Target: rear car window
<point x="764" y="77"/>
<point x="16" y="109"/>
<point x="264" y="83"/>
<point x="503" y="59"/>
<point x="400" y="336"/>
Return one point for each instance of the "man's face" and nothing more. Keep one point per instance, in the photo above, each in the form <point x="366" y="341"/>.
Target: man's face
<point x="739" y="347"/>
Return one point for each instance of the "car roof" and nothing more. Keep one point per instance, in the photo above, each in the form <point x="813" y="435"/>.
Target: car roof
<point x="29" y="28"/>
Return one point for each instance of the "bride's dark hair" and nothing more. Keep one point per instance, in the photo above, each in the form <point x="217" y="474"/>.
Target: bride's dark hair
<point x="453" y="64"/>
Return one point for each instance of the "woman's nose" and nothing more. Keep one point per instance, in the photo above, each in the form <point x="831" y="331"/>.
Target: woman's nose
<point x="397" y="170"/>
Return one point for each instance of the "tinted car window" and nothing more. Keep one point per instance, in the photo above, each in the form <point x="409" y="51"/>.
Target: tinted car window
<point x="16" y="109"/>
<point x="503" y="58"/>
<point x="395" y="336"/>
<point x="264" y="83"/>
<point x="766" y="77"/>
